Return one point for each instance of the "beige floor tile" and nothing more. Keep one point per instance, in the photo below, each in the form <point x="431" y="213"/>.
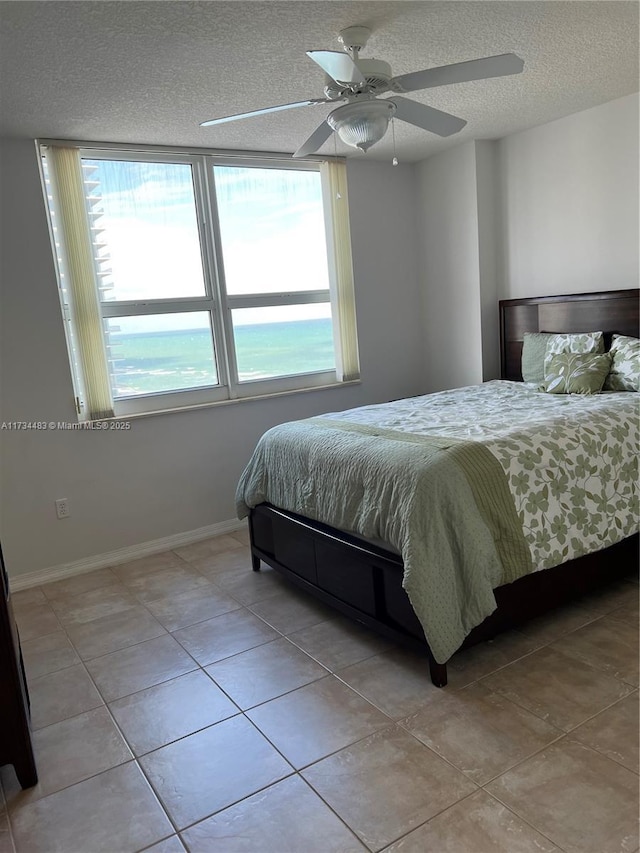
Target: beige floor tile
<point x="195" y="605"/>
<point x="207" y="771"/>
<point x="247" y="586"/>
<point x="479" y="732"/>
<point x="287" y="817"/>
<point x="6" y="841"/>
<point x="557" y="623"/>
<point x="93" y="604"/>
<point x="578" y="798"/>
<point x="60" y="695"/>
<point x="174" y="580"/>
<point x="98" y="579"/>
<point x="561" y="690"/>
<point x="619" y="594"/>
<point x="146" y="565"/>
<point x="471" y="664"/>
<point x="607" y="644"/>
<point x="169" y="845"/>
<point x="614" y="732"/>
<point x="337" y="642"/>
<point x="628" y="613"/>
<point x="316" y="720"/>
<point x="411" y="785"/>
<point x="242" y="535"/>
<point x="114" y="811"/>
<point x="159" y="715"/>
<point x="477" y="824"/>
<point x="113" y="632"/>
<point x="630" y="596"/>
<point x="265" y="672"/>
<point x="35" y="621"/>
<point x="171" y="707"/>
<point x="27" y="598"/>
<point x="138" y="667"/>
<point x="397" y="681"/>
<point x="68" y="752"/>
<point x="48" y="654"/>
<point x="290" y="611"/>
<point x="224" y="635"/>
<point x="208" y="547"/>
<point x="238" y="560"/>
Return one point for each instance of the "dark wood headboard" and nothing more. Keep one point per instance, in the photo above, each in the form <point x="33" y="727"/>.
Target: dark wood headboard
<point x="612" y="311"/>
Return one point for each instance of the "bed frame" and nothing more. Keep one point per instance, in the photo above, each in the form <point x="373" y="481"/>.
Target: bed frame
<point x="364" y="581"/>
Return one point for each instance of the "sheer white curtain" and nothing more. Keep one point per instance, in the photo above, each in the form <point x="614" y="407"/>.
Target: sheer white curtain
<point x="334" y="181"/>
<point x="68" y="190"/>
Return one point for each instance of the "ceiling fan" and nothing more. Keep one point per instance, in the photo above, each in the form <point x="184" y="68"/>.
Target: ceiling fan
<point x="364" y="119"/>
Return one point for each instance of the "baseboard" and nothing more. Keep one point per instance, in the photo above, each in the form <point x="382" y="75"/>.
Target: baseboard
<point x="123" y="555"/>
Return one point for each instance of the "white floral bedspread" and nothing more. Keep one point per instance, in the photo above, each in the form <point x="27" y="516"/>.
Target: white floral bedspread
<point x="571" y="460"/>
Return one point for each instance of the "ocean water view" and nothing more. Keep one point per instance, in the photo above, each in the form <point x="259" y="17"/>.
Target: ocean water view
<point x="147" y="362"/>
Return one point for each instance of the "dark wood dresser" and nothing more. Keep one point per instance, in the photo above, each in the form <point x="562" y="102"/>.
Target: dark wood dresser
<point x="15" y="732"/>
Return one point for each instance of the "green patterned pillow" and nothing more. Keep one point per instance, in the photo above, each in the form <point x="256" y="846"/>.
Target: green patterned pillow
<point x="625" y="368"/>
<point x="534" y="349"/>
<point x="577" y="373"/>
<point x="584" y="342"/>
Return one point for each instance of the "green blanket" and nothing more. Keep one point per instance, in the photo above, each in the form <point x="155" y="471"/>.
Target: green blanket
<point x="442" y="502"/>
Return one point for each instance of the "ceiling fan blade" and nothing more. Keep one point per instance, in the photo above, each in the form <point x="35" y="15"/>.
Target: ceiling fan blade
<point x="427" y="118"/>
<point x="338" y="65"/>
<point x="315" y="141"/>
<point x="459" y="72"/>
<point x="265" y="111"/>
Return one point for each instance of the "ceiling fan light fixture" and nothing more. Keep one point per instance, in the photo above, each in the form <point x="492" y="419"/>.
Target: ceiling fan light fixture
<point x="364" y="119"/>
<point x="363" y="123"/>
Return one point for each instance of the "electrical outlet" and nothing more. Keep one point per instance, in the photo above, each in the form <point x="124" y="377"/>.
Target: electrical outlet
<point x="62" y="508"/>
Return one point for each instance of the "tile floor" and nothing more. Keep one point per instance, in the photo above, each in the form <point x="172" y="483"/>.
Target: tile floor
<point x="183" y="702"/>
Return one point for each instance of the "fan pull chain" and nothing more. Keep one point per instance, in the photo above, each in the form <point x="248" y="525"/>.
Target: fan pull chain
<point x="394" y="162"/>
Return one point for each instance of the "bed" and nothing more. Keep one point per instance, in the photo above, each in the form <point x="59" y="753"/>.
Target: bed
<point x="368" y="579"/>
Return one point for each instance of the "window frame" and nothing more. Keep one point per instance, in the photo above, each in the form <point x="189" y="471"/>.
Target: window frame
<point x="215" y="301"/>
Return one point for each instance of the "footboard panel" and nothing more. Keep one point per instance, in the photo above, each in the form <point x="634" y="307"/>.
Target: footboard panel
<point x="364" y="582"/>
<point x="359" y="580"/>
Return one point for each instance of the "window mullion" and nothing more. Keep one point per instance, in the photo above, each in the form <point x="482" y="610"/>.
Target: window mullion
<point x="206" y="218"/>
<point x="173" y="306"/>
<point x="224" y="328"/>
<point x="269" y="300"/>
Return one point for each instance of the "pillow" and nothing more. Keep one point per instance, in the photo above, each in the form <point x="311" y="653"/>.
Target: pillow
<point x="625" y="368"/>
<point x="576" y="373"/>
<point x="534" y="349"/>
<point x="584" y="342"/>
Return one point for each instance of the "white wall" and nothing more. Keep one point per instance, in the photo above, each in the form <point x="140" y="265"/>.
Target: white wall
<point x="551" y="210"/>
<point x="176" y="472"/>
<point x="382" y="204"/>
<point x="449" y="267"/>
<point x="569" y="195"/>
<point x="489" y="241"/>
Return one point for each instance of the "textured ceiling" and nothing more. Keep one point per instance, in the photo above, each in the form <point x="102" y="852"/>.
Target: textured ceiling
<point x="151" y="71"/>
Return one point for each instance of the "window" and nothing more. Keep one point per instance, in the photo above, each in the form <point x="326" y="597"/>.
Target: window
<point x="187" y="279"/>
